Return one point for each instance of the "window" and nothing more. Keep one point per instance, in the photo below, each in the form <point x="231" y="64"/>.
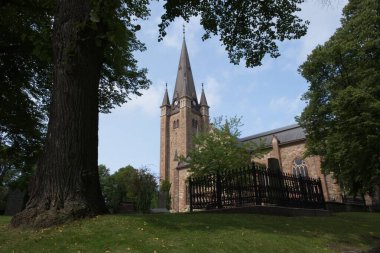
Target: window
<point x="194" y="123"/>
<point x="300" y="168"/>
<point x="175" y="124"/>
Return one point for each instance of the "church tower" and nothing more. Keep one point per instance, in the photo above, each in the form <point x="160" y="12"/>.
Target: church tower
<point x="181" y="119"/>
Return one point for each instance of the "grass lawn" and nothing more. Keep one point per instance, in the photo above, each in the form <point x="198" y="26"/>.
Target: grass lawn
<point x="199" y="232"/>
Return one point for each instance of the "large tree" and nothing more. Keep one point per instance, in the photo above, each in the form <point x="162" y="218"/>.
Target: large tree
<point x="342" y="116"/>
<point x="93" y="64"/>
<point x="94" y="68"/>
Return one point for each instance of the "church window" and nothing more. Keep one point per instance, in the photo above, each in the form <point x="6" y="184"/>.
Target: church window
<point x="195" y="123"/>
<point x="300" y="168"/>
<point x="175" y="124"/>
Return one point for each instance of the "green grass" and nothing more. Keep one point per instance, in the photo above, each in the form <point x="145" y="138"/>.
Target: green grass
<point x="199" y="233"/>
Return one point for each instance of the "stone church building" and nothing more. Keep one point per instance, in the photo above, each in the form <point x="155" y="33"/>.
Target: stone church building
<point x="184" y="115"/>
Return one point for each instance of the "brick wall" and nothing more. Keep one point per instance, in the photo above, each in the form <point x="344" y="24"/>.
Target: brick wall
<point x="289" y="152"/>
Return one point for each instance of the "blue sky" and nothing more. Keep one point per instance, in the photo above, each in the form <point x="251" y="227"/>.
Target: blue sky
<point x="266" y="97"/>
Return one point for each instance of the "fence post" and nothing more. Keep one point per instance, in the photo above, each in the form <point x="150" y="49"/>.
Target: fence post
<point x="255" y="186"/>
<point x="190" y="195"/>
<point x="239" y="184"/>
<point x="218" y="191"/>
<point x="321" y="197"/>
<point x="301" y="184"/>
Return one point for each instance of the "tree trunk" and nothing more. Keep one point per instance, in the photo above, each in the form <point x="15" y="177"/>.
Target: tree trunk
<point x="66" y="184"/>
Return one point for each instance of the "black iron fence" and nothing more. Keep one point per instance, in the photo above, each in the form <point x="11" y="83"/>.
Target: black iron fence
<point x="254" y="185"/>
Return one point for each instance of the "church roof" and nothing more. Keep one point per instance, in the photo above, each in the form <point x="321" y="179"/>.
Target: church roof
<point x="203" y="101"/>
<point x="184" y="85"/>
<point x="285" y="135"/>
<point x="166" y="101"/>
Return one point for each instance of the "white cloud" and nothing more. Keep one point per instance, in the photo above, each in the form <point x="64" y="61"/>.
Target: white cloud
<point x="286" y="105"/>
<point x="212" y="91"/>
<point x="151" y="28"/>
<point x="148" y="103"/>
<point x="174" y="36"/>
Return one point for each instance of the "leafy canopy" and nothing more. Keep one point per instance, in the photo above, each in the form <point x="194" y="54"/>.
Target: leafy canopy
<point x="219" y="149"/>
<point x="342" y="117"/>
<point x="248" y="29"/>
<point x="25" y="69"/>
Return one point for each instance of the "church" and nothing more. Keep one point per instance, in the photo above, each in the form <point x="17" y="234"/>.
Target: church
<point x="184" y="115"/>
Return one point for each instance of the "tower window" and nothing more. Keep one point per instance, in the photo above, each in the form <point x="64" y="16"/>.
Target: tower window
<point x="300" y="168"/>
<point x="175" y="124"/>
<point x="194" y="123"/>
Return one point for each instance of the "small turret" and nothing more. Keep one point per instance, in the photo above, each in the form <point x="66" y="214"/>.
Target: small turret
<point x="165" y="106"/>
<point x="166" y="101"/>
<point x="203" y="103"/>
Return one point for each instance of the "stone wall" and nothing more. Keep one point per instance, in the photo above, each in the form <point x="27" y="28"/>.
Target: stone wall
<point x="182" y="190"/>
<point x="288" y="153"/>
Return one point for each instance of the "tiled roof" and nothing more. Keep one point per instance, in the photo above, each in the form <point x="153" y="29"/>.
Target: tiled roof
<point x="285" y="135"/>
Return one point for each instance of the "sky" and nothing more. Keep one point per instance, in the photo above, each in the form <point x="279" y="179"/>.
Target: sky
<point x="265" y="97"/>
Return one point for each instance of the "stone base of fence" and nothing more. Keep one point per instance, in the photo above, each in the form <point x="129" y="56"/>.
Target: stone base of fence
<point x="270" y="210"/>
<point x="344" y="207"/>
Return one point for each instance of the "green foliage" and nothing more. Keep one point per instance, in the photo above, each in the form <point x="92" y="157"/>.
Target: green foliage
<point x="25" y="69"/>
<point x="342" y="118"/>
<point x="128" y="185"/>
<point x="3" y="197"/>
<point x="219" y="149"/>
<point x="247" y="29"/>
<point x="120" y="76"/>
<point x="146" y="186"/>
<point x="165" y="188"/>
<point x="26" y="58"/>
<point x="200" y="232"/>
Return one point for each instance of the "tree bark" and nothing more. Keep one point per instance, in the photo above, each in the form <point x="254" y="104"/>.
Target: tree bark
<point x="66" y="184"/>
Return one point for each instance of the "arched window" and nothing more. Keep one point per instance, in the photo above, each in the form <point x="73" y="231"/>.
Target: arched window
<point x="300" y="168"/>
<point x="175" y="124"/>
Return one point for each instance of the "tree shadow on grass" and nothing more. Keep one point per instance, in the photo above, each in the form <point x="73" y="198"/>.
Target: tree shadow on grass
<point x="341" y="231"/>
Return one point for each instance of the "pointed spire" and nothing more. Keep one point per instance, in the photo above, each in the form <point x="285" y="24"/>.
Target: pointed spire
<point x="165" y="101"/>
<point x="184" y="85"/>
<point x="203" y="101"/>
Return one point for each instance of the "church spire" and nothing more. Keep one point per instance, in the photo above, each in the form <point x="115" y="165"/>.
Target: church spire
<point x="184" y="85"/>
<point x="203" y="101"/>
<point x="166" y="101"/>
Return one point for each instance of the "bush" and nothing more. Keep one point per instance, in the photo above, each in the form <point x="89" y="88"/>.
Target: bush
<point x="165" y="188"/>
<point x="128" y="185"/>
